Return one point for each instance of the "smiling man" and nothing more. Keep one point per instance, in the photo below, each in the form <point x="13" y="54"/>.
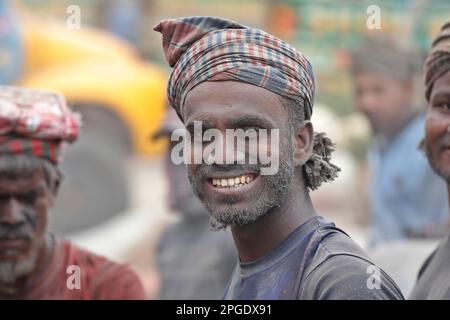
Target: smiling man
<point x="34" y="264"/>
<point x="434" y="279"/>
<point x="229" y="76"/>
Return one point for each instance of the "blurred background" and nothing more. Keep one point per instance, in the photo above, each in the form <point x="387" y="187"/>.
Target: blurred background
<point x="111" y="68"/>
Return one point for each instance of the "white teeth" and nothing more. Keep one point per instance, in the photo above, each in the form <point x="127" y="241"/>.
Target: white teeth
<point x="232" y="182"/>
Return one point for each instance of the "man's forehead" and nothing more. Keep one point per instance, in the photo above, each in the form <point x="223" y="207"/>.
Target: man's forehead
<point x="442" y="85"/>
<point x="23" y="183"/>
<point x="229" y="99"/>
<point x="217" y="91"/>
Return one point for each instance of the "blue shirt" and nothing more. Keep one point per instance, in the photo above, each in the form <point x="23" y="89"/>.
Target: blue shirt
<point x="407" y="198"/>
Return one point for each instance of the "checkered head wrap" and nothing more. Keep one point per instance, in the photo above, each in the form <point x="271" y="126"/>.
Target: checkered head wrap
<point x="212" y="49"/>
<point x="438" y="60"/>
<point x="35" y="122"/>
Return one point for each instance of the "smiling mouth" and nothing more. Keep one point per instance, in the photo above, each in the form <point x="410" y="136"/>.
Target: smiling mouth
<point x="233" y="182"/>
<point x="13" y="243"/>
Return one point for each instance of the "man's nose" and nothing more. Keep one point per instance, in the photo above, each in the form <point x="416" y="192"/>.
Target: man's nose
<point x="227" y="153"/>
<point x="12" y="213"/>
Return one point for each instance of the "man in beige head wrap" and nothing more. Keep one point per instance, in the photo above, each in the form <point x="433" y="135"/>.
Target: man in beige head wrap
<point x="434" y="277"/>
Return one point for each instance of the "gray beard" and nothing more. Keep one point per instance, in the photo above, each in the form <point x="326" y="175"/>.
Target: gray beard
<point x="10" y="272"/>
<point x="275" y="192"/>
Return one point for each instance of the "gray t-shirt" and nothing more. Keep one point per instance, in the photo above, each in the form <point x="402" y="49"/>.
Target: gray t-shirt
<point x="317" y="261"/>
<point x="433" y="281"/>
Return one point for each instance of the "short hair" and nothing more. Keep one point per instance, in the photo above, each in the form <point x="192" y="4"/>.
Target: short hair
<point x="23" y="166"/>
<point x="381" y="53"/>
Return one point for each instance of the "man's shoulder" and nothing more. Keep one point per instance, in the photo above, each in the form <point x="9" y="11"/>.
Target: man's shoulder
<point x="105" y="278"/>
<point x="340" y="269"/>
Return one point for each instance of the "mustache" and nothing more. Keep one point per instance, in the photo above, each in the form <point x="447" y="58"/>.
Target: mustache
<point x="205" y="170"/>
<point x="15" y="232"/>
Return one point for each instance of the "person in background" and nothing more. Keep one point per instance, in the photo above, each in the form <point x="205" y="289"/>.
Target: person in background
<point x="408" y="200"/>
<point x="35" y="264"/>
<point x="434" y="277"/>
<point x="193" y="262"/>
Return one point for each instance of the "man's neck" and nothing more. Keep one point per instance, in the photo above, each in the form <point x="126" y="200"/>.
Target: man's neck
<point x="259" y="238"/>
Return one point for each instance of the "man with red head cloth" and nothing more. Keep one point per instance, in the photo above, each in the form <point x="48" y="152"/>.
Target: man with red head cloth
<point x="34" y="264"/>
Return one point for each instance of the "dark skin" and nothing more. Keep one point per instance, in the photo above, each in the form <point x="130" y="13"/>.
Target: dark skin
<point x="229" y="105"/>
<point x="437" y="128"/>
<point x="24" y="206"/>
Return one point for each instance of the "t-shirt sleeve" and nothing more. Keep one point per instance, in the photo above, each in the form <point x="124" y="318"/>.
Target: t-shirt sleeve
<point x="118" y="282"/>
<point x="347" y="277"/>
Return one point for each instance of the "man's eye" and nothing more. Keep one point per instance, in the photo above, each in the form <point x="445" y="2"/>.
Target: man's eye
<point x="444" y="105"/>
<point x="28" y="197"/>
<point x="251" y="129"/>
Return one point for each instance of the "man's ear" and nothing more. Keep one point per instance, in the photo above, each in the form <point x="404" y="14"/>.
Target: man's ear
<point x="303" y="143"/>
<point x="54" y="192"/>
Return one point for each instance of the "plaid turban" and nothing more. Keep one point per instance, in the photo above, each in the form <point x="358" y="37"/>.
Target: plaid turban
<point x="212" y="49"/>
<point x="35" y="122"/>
<point x="438" y="60"/>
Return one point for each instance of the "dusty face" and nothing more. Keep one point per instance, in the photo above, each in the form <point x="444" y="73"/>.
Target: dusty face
<point x="437" y="127"/>
<point x="237" y="193"/>
<point x="385" y="101"/>
<point x="24" y="206"/>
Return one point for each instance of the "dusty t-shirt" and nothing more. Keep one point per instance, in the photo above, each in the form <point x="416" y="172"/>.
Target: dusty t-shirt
<point x="316" y="261"/>
<point x="433" y="281"/>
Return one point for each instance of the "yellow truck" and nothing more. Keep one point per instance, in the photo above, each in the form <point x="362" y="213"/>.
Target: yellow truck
<point x="121" y="99"/>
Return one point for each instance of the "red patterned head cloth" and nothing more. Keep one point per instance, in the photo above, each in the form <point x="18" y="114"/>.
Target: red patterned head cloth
<point x="438" y="60"/>
<point x="213" y="49"/>
<point x="35" y="122"/>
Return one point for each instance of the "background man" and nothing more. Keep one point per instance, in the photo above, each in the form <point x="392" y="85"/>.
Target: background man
<point x="407" y="198"/>
<point x="434" y="279"/>
<point x="34" y="264"/>
<point x="193" y="262"/>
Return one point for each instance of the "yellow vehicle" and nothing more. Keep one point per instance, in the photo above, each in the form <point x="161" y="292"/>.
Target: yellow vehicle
<point x="121" y="99"/>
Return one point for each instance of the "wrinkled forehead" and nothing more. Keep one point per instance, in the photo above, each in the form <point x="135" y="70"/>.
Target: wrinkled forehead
<point x="226" y="102"/>
<point x="442" y="85"/>
<point x="22" y="184"/>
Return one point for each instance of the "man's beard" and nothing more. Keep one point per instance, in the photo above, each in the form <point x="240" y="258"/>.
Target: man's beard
<point x="274" y="192"/>
<point x="11" y="271"/>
